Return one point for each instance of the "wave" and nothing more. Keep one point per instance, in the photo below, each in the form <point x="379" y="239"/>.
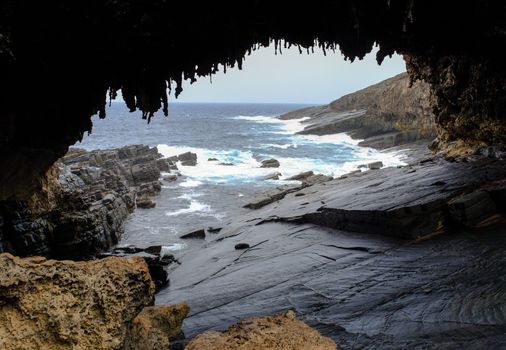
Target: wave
<point x="190" y="183"/>
<point x="285" y="127"/>
<point x="338" y="139"/>
<point x="195" y="207"/>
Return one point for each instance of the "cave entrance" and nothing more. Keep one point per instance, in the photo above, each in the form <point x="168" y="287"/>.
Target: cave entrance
<point x="230" y="123"/>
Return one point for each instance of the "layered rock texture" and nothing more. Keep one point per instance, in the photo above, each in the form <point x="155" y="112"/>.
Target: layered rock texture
<point x="141" y="48"/>
<point x="390" y="113"/>
<point x="84" y="202"/>
<point x="269" y="333"/>
<point x="397" y="258"/>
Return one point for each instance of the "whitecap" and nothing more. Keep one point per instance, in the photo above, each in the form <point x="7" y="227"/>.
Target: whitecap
<point x="338" y="139"/>
<point x="195" y="207"/>
<point x="190" y="183"/>
<point x="167" y="249"/>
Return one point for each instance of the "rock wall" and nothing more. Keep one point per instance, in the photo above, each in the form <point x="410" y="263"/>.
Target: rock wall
<point x="83" y="204"/>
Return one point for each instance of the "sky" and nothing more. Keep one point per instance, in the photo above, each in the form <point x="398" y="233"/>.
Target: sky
<point x="291" y="78"/>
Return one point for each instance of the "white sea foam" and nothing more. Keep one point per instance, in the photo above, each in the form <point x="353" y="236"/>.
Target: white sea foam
<point x="338" y="139"/>
<point x="190" y="183"/>
<point x="286" y="127"/>
<point x="195" y="207"/>
<point x="168" y="249"/>
<point x="190" y="196"/>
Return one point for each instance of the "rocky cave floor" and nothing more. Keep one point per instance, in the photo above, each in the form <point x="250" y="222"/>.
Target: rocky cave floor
<point x="430" y="275"/>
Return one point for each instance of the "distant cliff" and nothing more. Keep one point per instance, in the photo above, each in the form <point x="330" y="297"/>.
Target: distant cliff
<point x="384" y="115"/>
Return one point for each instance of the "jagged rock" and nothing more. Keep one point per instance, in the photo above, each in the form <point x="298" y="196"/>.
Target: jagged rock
<point x="200" y="234"/>
<point x="48" y="304"/>
<point x="154" y="326"/>
<point x="267" y="333"/>
<point x="273" y="176"/>
<point x="270" y="163"/>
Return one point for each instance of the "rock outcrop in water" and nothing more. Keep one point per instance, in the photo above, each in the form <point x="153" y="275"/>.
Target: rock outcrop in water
<point x="386" y="114"/>
<point x="83" y="206"/>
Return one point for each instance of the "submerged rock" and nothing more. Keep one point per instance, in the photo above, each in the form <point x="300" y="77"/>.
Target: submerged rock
<point x="267" y="333"/>
<point x="49" y="304"/>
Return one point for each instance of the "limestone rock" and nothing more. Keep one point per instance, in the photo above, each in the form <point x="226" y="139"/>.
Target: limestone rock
<point x="267" y="333"/>
<point x="49" y="304"/>
<point x="154" y="326"/>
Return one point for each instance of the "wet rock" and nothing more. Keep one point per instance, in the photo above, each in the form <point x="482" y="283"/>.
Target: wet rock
<point x="170" y="178"/>
<point x="375" y="165"/>
<point x="270" y="163"/>
<point x="472" y="208"/>
<point x="270" y="333"/>
<point x="145" y="203"/>
<point x="301" y="176"/>
<point x="241" y="246"/>
<point x="212" y="159"/>
<point x="273" y="176"/>
<point x="271" y="196"/>
<point x="214" y="229"/>
<point x="52" y="304"/>
<point x="188" y="159"/>
<point x="154" y="326"/>
<point x="199" y="234"/>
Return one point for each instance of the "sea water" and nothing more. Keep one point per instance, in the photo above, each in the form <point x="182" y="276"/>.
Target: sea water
<point x="240" y="136"/>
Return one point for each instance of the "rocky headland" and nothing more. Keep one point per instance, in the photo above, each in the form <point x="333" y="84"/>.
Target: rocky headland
<point x="391" y="113"/>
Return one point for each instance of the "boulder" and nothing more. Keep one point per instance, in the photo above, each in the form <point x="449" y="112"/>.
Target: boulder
<point x="270" y="163"/>
<point x="266" y="333"/>
<point x="188" y="159"/>
<point x="200" y="234"/>
<point x="49" y="304"/>
<point x="154" y="326"/>
<point x="375" y="165"/>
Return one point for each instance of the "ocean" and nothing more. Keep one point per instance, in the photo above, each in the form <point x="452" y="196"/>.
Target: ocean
<point x="240" y="136"/>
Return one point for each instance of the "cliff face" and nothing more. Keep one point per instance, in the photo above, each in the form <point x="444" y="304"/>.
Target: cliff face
<point x="84" y="201"/>
<point x="80" y="50"/>
<point x="386" y="114"/>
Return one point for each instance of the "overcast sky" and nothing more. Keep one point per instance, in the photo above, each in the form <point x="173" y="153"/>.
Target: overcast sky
<point x="291" y="78"/>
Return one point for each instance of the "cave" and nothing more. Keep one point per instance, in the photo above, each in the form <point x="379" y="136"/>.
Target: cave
<point x="62" y="62"/>
<point x="63" y="56"/>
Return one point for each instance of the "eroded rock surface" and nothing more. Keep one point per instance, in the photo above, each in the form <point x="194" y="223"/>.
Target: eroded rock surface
<point x="48" y="304"/>
<point x="269" y="333"/>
